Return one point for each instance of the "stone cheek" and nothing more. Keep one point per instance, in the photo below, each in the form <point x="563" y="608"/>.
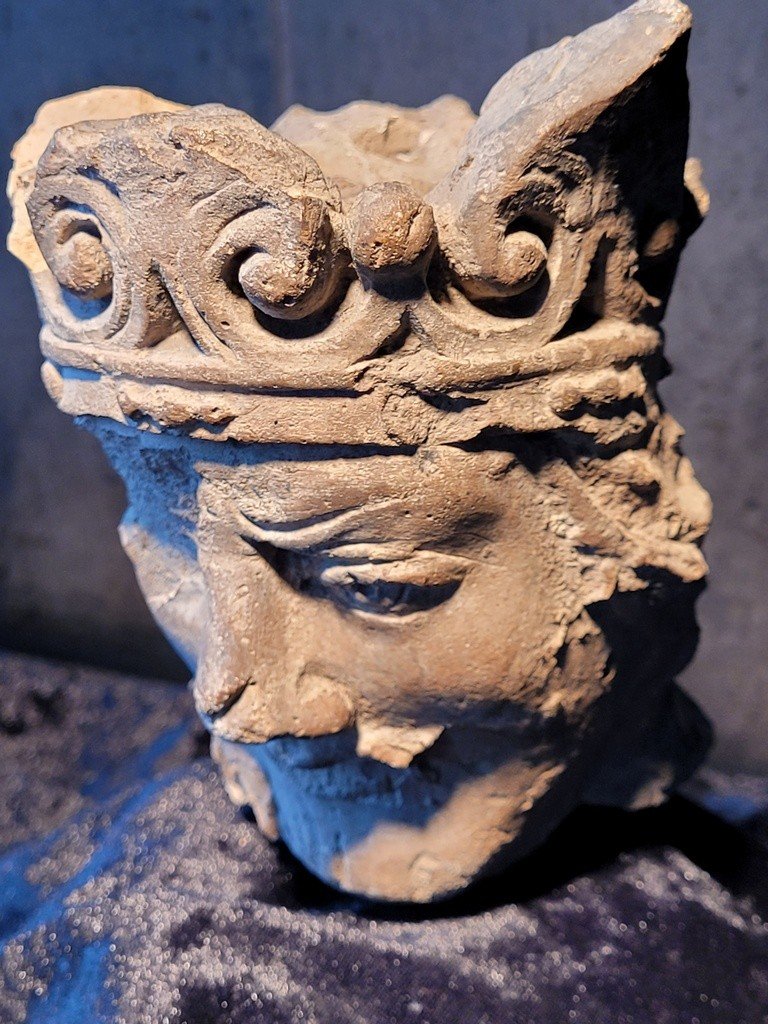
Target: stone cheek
<point x="382" y="387"/>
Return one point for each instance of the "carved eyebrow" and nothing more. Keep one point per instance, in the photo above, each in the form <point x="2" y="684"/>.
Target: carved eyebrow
<point x="312" y="531"/>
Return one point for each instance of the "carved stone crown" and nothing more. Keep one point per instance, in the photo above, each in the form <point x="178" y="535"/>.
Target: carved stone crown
<point x="373" y="275"/>
<point x="414" y="661"/>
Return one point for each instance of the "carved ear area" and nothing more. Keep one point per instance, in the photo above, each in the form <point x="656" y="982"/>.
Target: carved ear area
<point x="660" y="243"/>
<point x="578" y="156"/>
<point x="662" y="239"/>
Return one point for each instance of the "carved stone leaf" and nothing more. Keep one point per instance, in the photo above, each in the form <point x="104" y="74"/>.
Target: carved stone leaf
<point x="570" y="185"/>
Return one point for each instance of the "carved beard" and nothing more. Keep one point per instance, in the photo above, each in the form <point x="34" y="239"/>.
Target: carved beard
<point x="382" y="387"/>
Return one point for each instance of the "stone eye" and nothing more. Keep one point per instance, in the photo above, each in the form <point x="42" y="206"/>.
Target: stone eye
<point x="389" y="597"/>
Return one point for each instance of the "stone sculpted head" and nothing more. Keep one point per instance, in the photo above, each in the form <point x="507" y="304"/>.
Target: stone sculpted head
<point x="381" y="384"/>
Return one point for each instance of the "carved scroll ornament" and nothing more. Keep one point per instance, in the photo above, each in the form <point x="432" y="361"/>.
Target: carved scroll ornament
<point x="381" y="384"/>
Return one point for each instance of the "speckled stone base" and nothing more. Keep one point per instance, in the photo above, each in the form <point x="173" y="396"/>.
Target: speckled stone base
<point x="132" y="891"/>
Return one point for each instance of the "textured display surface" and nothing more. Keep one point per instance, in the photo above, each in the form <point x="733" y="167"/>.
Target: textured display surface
<point x="132" y="891"/>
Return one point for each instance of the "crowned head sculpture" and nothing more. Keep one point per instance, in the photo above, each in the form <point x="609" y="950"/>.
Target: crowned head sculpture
<point x="381" y="384"/>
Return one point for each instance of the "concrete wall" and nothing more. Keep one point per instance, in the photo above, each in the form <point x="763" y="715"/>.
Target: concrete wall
<point x="65" y="586"/>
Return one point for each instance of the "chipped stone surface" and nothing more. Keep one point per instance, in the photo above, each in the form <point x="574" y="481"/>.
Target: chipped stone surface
<point x="383" y="397"/>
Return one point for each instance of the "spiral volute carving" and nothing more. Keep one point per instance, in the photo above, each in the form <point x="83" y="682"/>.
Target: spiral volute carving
<point x="101" y="286"/>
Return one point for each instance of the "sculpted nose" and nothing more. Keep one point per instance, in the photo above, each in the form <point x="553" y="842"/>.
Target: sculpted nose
<point x="391" y="234"/>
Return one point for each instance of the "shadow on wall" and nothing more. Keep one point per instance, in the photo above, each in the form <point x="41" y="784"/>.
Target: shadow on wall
<point x="65" y="586"/>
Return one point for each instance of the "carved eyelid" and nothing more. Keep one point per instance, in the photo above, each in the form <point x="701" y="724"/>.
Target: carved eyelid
<point x="313" y="532"/>
<point x="422" y="568"/>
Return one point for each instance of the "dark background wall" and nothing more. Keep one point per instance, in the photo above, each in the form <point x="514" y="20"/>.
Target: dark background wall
<point x="66" y="588"/>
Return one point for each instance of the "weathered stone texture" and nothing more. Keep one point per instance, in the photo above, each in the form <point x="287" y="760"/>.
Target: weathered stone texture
<point x="381" y="385"/>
